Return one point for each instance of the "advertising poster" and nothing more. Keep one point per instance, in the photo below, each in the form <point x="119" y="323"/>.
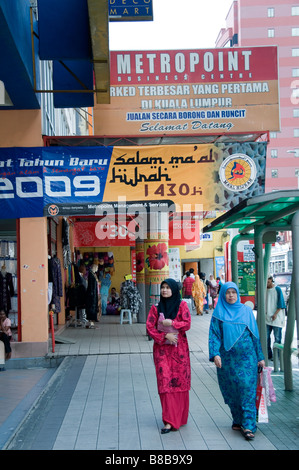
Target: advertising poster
<point x="191" y="92"/>
<point x="175" y="271"/>
<point x="246" y="271"/>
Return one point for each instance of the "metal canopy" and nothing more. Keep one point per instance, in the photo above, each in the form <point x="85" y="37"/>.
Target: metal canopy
<point x="276" y="208"/>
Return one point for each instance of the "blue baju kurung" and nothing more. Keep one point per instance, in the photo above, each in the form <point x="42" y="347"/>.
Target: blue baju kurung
<point x="234" y="337"/>
<point x="238" y="375"/>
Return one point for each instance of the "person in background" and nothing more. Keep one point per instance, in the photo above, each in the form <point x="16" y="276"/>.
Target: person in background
<point x="275" y="314"/>
<point x="114" y="296"/>
<point x="5" y="333"/>
<point x="113" y="303"/>
<point x="191" y="271"/>
<point x="213" y="290"/>
<point x="219" y="283"/>
<point x="198" y="293"/>
<point x="187" y="286"/>
<point x="202" y="277"/>
<point x="235" y="349"/>
<point x="171" y="354"/>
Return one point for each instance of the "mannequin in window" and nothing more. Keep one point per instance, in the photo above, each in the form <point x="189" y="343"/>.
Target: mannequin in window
<point x="92" y="295"/>
<point x="6" y="289"/>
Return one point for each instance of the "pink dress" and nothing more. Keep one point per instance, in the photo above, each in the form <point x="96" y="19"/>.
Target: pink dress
<point x="172" y="365"/>
<point x="7" y="324"/>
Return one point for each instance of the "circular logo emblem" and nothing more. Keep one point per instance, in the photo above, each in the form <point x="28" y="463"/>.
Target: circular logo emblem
<point x="53" y="209"/>
<point x="237" y="172"/>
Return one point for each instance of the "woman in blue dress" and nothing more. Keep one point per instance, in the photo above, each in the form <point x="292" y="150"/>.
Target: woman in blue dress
<point x="235" y="348"/>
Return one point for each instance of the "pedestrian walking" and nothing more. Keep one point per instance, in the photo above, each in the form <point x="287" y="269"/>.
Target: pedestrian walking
<point x="234" y="347"/>
<point x="213" y="291"/>
<point x="275" y="314"/>
<point x="187" y="286"/>
<point x="199" y="293"/>
<point x="171" y="354"/>
<point x="206" y="301"/>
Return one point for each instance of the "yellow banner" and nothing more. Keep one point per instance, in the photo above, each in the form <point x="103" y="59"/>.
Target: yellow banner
<point x="208" y="175"/>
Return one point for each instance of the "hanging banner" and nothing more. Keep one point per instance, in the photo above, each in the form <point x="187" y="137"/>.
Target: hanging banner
<point x="191" y="92"/>
<point x="36" y="182"/>
<point x="184" y="232"/>
<point x="103" y="233"/>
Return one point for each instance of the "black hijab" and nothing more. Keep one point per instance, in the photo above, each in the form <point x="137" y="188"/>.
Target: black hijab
<point x="170" y="306"/>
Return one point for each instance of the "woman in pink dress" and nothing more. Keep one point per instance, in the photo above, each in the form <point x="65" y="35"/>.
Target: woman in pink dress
<point x="171" y="354"/>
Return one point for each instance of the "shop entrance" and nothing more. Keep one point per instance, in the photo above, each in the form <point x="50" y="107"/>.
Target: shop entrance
<point x="204" y="265"/>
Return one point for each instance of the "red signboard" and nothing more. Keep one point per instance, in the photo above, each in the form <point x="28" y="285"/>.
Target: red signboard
<point x="185" y="92"/>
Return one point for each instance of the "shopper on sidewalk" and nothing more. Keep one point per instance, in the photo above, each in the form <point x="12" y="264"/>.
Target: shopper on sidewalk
<point x="171" y="354"/>
<point x="275" y="313"/>
<point x="206" y="301"/>
<point x="234" y="347"/>
<point x="199" y="294"/>
<point x="187" y="286"/>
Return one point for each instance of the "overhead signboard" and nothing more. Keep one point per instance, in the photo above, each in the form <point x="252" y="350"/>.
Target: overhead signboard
<point x="130" y="10"/>
<point x="191" y="92"/>
<point x="51" y="181"/>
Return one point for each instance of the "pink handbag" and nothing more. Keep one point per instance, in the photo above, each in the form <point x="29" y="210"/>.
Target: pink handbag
<point x="166" y="329"/>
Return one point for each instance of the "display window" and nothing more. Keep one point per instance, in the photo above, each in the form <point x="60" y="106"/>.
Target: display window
<point x="9" y="275"/>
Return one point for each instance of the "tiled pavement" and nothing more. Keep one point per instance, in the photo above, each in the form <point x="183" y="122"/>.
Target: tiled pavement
<point x="104" y="396"/>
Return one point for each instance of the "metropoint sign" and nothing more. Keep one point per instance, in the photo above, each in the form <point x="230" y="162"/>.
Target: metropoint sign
<point x="187" y="92"/>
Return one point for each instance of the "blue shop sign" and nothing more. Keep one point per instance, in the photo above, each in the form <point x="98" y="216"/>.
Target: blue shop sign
<point x="131" y="10"/>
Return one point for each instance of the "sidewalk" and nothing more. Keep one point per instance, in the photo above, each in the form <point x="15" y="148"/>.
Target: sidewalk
<point x="104" y="396"/>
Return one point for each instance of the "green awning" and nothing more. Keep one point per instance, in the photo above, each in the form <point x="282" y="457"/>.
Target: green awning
<point x="276" y="208"/>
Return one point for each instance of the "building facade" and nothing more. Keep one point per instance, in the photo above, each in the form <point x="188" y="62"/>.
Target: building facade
<point x="260" y="23"/>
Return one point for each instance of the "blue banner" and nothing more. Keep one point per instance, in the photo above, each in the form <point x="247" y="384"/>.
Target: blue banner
<point x="35" y="182"/>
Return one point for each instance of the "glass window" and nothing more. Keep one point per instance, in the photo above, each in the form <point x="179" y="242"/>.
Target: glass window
<point x="273" y="135"/>
<point x="270" y="12"/>
<point x="296" y="132"/>
<point x="274" y="153"/>
<point x="295" y="31"/>
<point x="295" y="11"/>
<point x="296" y="112"/>
<point x="9" y="272"/>
<point x="274" y="173"/>
<point x="271" y="33"/>
<point x="295" y="72"/>
<point x="295" y="52"/>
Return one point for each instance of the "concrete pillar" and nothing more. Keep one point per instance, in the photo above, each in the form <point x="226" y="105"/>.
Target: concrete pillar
<point x="140" y="279"/>
<point x="33" y="293"/>
<point x="156" y="256"/>
<point x="289" y="335"/>
<point x="260" y="288"/>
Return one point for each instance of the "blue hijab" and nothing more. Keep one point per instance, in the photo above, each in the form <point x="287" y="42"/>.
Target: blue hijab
<point x="235" y="317"/>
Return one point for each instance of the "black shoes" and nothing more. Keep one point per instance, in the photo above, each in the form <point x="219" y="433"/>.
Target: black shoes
<point x="165" y="430"/>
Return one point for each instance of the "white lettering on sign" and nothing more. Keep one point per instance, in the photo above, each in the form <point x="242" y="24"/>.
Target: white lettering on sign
<point x="163" y="63"/>
<point x="55" y="186"/>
